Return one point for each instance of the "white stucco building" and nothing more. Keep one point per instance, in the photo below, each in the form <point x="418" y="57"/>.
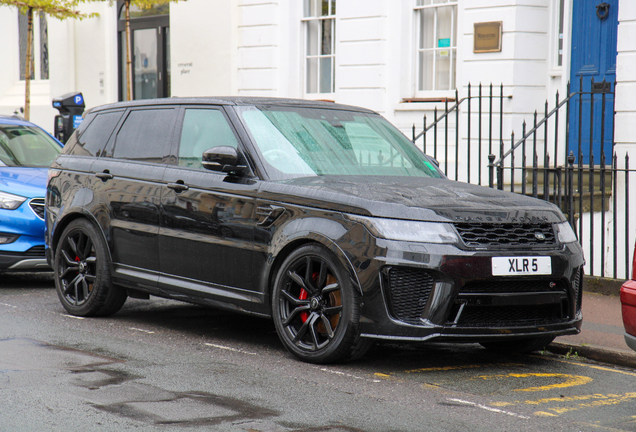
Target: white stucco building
<point x="402" y="58"/>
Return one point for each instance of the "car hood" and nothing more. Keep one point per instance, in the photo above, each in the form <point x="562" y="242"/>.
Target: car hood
<point x="413" y="198"/>
<point x="24" y="181"/>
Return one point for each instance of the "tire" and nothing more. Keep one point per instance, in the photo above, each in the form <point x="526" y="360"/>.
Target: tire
<point x="315" y="309"/>
<point x="82" y="273"/>
<point x="519" y="345"/>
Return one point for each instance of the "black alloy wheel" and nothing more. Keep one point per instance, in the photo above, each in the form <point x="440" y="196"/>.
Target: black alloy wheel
<point x="316" y="309"/>
<point x="82" y="274"/>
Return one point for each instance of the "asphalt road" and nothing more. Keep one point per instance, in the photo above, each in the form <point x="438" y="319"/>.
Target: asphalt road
<point x="164" y="365"/>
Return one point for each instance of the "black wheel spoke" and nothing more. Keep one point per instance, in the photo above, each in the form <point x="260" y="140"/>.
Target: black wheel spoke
<point x="303" y="329"/>
<point x="312" y="328"/>
<point x="71" y="285"/>
<point x="333" y="310"/>
<point x="309" y="277"/>
<point x="295" y="301"/>
<point x="327" y="324"/>
<point x="294" y="314"/>
<point x="300" y="281"/>
<point x="70" y="262"/>
<point x="88" y="248"/>
<point x="85" y="290"/>
<point x="73" y="245"/>
<point x="331" y="287"/>
<point x="322" y="275"/>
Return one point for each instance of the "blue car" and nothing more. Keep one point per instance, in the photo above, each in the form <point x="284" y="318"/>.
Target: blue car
<point x="26" y="151"/>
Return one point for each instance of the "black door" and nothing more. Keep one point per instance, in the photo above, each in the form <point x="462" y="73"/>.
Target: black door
<point x="128" y="180"/>
<point x="206" y="238"/>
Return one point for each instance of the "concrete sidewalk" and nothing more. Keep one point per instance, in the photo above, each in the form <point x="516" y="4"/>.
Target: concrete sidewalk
<point x="601" y="336"/>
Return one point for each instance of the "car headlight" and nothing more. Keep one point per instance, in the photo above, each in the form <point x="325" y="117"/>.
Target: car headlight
<point x="10" y="202"/>
<point x="407" y="230"/>
<point x="565" y="233"/>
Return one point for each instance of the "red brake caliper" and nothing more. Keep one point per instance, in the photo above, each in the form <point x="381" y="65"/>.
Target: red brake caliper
<point x="303" y="296"/>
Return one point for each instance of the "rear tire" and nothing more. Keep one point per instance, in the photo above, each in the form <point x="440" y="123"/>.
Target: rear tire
<point x="315" y="308"/>
<point x="82" y="273"/>
<point x="519" y="345"/>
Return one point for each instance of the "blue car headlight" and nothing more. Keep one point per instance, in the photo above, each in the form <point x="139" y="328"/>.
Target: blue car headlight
<point x="409" y="230"/>
<point x="10" y="202"/>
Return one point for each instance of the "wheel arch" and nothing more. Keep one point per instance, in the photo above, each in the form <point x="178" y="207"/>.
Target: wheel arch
<point x="301" y="240"/>
<point x="66" y="221"/>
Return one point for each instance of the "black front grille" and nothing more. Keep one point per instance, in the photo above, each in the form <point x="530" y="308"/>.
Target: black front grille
<point x="514" y="286"/>
<point x="409" y="290"/>
<point x="36" y="251"/>
<point x="510" y="316"/>
<point x="37" y="205"/>
<point x="506" y="235"/>
<point x="577" y="285"/>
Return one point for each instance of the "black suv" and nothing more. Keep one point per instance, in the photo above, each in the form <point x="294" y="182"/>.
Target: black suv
<point x="321" y="216"/>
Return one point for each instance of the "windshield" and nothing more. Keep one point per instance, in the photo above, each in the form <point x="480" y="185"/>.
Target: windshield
<point x="301" y="142"/>
<point x="26" y="146"/>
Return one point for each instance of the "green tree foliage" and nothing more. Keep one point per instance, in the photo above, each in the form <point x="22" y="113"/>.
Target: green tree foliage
<point x="60" y="9"/>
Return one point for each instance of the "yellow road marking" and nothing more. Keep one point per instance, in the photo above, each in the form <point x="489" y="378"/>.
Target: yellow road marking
<point x="563" y="399"/>
<point x="596" y="367"/>
<point x="570" y="380"/>
<point x="462" y="367"/>
<point x="593" y="400"/>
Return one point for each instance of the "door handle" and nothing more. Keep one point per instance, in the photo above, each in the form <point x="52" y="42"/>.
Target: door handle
<point x="178" y="186"/>
<point x="104" y="175"/>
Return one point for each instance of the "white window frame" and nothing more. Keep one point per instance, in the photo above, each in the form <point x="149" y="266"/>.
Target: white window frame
<point x="306" y="56"/>
<point x="435" y="93"/>
<point x="558" y="20"/>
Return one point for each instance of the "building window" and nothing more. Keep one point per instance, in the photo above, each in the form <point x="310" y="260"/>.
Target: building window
<point x="149" y="37"/>
<point x="560" y="33"/>
<point x="320" y="55"/>
<point x="436" y="44"/>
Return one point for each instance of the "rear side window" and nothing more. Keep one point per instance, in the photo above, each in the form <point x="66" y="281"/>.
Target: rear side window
<point x="145" y="135"/>
<point x="92" y="141"/>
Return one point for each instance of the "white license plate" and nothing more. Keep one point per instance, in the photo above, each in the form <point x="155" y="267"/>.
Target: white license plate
<point x="514" y="266"/>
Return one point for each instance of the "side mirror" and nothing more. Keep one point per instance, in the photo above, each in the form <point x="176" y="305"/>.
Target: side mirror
<point x="224" y="159"/>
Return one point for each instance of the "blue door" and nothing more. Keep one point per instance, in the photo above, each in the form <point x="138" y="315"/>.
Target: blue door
<point x="594" y="34"/>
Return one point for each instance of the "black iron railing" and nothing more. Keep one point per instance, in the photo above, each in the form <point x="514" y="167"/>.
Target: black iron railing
<point x="594" y="195"/>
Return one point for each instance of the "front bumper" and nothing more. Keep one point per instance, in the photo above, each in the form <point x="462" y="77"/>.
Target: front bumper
<point x="26" y="253"/>
<point x="32" y="260"/>
<point x="441" y="292"/>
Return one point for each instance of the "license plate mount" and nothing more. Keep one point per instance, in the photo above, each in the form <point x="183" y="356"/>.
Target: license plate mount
<point x="521" y="266"/>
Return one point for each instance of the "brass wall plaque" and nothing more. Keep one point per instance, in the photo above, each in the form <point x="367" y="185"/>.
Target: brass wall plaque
<point x="487" y="37"/>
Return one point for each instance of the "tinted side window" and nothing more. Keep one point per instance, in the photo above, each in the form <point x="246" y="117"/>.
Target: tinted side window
<point x="98" y="131"/>
<point x="145" y="135"/>
<point x="202" y="130"/>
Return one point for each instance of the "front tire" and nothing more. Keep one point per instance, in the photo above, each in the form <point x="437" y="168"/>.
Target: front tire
<point x="316" y="309"/>
<point x="82" y="273"/>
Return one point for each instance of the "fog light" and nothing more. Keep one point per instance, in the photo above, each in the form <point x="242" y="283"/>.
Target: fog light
<point x="8" y="238"/>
